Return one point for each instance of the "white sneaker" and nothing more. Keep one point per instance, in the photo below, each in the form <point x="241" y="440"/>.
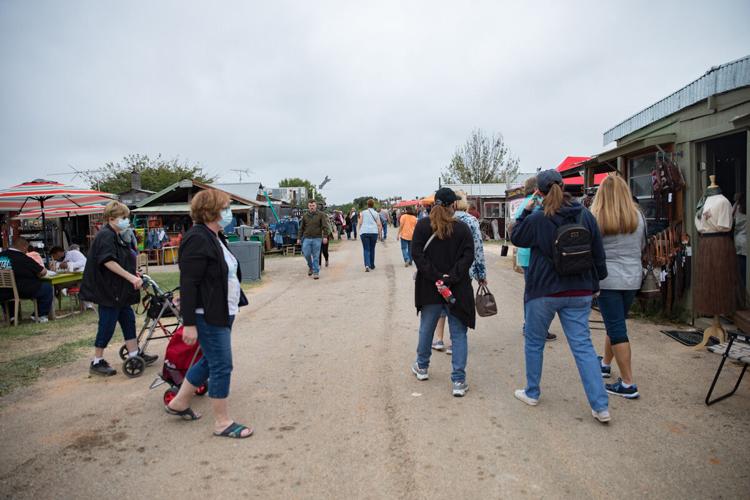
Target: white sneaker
<point x="520" y="394"/>
<point x="602" y="416"/>
<point x="420" y="373"/>
<point x="43" y="319"/>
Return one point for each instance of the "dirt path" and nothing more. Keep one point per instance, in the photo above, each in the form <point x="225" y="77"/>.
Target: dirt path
<point x="322" y="372"/>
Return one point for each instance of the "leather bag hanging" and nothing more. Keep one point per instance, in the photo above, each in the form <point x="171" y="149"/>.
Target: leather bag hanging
<point x="485" y="302"/>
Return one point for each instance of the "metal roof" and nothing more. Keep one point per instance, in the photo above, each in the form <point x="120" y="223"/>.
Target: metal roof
<point x="181" y="208"/>
<point x="718" y="79"/>
<point x="247" y="190"/>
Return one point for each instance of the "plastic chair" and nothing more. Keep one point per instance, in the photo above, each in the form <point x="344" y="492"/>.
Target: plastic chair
<point x="8" y="280"/>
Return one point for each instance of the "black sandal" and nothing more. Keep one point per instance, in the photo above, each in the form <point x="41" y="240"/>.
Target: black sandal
<point x="234" y="430"/>
<point x="186" y="414"/>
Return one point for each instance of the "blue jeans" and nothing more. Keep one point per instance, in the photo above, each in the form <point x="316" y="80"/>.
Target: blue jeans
<point x="216" y="363"/>
<point x="44" y="297"/>
<point x="428" y="321"/>
<point x="108" y="319"/>
<point x="311" y="251"/>
<point x="574" y="317"/>
<point x="369" y="240"/>
<point x="614" y="306"/>
<point x="385" y="231"/>
<point x="406" y="250"/>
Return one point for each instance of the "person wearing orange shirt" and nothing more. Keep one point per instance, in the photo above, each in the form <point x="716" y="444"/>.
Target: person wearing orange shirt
<point x="407" y="223"/>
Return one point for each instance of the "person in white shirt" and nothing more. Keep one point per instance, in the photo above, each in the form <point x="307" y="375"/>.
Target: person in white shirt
<point x="72" y="260"/>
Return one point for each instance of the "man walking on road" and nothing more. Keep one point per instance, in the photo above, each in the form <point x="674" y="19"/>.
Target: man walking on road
<point x="313" y="232"/>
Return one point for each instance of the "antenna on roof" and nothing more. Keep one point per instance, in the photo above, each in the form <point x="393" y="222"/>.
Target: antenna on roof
<point x="245" y="171"/>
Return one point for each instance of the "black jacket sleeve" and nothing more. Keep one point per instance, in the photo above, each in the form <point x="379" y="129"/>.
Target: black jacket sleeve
<point x="193" y="257"/>
<point x="465" y="255"/>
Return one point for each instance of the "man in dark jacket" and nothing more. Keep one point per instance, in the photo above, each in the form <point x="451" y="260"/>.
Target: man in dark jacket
<point x="445" y="254"/>
<point x="27" y="273"/>
<point x="313" y="233"/>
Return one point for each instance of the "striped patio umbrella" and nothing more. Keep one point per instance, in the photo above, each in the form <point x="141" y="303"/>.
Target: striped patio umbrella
<point x="62" y="212"/>
<point x="43" y="196"/>
<point x="47" y="195"/>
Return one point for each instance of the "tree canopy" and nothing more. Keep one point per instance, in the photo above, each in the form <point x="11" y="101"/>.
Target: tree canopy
<point x="156" y="173"/>
<point x="482" y="159"/>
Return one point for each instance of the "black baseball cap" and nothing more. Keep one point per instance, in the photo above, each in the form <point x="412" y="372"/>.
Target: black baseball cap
<point x="445" y="197"/>
<point x="546" y="178"/>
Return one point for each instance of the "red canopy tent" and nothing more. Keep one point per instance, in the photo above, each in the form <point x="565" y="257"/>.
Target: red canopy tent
<point x="406" y="203"/>
<point x="571" y="162"/>
<point x="578" y="180"/>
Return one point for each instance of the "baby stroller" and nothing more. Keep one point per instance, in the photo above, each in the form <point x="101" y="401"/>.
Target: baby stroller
<point x="178" y="359"/>
<point x="157" y="305"/>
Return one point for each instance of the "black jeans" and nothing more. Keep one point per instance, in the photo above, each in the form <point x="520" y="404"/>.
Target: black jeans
<point x="323" y="253"/>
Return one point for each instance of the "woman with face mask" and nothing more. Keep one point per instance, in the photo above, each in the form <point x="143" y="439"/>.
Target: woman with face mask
<point x="110" y="280"/>
<point x="210" y="298"/>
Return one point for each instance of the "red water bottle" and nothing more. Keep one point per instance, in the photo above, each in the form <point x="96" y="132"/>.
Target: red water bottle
<point x="445" y="292"/>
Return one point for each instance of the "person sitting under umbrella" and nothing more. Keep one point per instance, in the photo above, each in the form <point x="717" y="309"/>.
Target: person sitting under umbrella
<point x="27" y="273"/>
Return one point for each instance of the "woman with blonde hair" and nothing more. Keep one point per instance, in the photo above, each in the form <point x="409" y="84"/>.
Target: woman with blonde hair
<point x="552" y="289"/>
<point x="624" y="237"/>
<point x="443" y="250"/>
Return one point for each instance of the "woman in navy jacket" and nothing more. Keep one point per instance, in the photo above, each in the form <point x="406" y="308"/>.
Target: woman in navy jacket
<point x="548" y="293"/>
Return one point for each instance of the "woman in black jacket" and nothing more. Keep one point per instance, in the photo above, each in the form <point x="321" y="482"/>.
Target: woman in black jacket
<point x="443" y="250"/>
<point x="110" y="280"/>
<point x="210" y="297"/>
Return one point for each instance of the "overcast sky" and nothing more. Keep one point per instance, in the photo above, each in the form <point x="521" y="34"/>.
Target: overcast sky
<point x="377" y="95"/>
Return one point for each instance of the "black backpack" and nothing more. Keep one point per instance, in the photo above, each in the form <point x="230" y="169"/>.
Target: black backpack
<point x="571" y="253"/>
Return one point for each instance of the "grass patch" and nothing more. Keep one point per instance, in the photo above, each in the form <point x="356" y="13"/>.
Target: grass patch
<point x="25" y="370"/>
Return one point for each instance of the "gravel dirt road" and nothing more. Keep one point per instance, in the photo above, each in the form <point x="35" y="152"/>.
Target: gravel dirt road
<point x="322" y="372"/>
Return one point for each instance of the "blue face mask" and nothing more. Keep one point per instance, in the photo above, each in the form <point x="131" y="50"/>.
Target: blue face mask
<point x="226" y="217"/>
<point x="122" y="224"/>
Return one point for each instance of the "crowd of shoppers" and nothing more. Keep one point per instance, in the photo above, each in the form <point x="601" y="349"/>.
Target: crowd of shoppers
<point x="445" y="243"/>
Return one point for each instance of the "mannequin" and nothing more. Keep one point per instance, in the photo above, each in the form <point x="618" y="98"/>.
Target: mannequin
<point x="716" y="266"/>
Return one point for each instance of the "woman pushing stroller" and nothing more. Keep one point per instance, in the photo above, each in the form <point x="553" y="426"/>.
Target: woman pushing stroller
<point x="210" y="297"/>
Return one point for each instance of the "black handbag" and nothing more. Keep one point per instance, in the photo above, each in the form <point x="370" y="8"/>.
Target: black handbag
<point x="485" y="302"/>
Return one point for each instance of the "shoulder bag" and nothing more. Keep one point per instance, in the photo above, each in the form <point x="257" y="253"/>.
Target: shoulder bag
<point x="485" y="302"/>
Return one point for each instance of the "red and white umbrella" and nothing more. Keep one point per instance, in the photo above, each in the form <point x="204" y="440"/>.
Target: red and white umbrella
<point x="45" y="196"/>
<point x="48" y="195"/>
<point x="62" y="212"/>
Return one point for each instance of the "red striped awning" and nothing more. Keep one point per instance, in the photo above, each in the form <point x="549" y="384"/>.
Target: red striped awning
<point x="49" y="195"/>
<point x="571" y="162"/>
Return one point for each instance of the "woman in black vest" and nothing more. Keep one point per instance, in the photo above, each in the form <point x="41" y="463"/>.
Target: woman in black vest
<point x="210" y="297"/>
<point x="443" y="250"/>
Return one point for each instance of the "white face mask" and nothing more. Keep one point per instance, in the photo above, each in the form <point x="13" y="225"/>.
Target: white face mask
<point x="122" y="223"/>
<point x="226" y="217"/>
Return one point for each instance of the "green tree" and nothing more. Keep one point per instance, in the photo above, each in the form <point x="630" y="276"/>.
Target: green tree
<point x="311" y="188"/>
<point x="156" y="173"/>
<point x="482" y="159"/>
